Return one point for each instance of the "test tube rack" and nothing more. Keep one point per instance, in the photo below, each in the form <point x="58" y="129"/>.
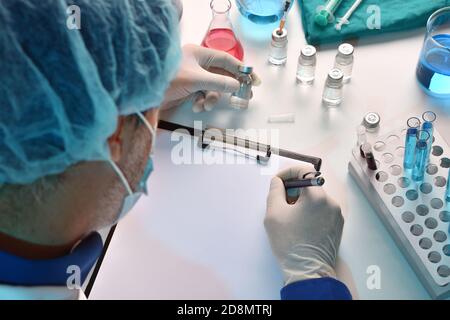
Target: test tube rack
<point x="416" y="214"/>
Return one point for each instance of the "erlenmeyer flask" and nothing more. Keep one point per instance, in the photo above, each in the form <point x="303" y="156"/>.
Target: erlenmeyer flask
<point x="220" y="34"/>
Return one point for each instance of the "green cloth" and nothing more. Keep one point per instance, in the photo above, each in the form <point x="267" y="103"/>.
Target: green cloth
<point x="396" y="15"/>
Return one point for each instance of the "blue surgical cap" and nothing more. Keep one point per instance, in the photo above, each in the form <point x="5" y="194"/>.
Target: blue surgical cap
<point x="62" y="88"/>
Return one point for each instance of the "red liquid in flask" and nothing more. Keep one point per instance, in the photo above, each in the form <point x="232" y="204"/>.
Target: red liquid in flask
<point x="224" y="40"/>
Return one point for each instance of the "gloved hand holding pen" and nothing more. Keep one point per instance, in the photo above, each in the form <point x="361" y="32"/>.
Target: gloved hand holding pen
<point x="305" y="233"/>
<point x="204" y="75"/>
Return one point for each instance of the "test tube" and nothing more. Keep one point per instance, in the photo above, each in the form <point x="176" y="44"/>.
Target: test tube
<point x="365" y="149"/>
<point x="414" y="122"/>
<point x="447" y="193"/>
<point x="371" y="162"/>
<point x="410" y="148"/>
<point x="428" y="127"/>
<point x="429" y="116"/>
<point x="420" y="161"/>
<point x="362" y="135"/>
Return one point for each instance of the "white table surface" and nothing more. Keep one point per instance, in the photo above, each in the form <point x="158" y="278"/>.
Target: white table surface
<point x="383" y="81"/>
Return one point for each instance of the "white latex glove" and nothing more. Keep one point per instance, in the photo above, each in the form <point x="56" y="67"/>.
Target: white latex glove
<point x="304" y="232"/>
<point x="204" y="75"/>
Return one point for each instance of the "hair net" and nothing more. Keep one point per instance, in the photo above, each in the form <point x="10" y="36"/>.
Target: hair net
<point x="62" y="88"/>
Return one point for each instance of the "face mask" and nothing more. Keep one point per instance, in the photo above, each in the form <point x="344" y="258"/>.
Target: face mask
<point x="133" y="197"/>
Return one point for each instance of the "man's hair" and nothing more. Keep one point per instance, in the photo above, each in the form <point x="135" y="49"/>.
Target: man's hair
<point x="18" y="203"/>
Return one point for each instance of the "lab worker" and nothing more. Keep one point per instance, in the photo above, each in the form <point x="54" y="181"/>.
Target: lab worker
<point x="78" y="114"/>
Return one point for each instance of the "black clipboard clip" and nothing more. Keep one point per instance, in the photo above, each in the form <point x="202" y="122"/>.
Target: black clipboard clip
<point x="266" y="150"/>
<point x="212" y="136"/>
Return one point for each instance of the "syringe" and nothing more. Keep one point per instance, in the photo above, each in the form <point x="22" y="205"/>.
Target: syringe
<point x="283" y="19"/>
<point x="344" y="19"/>
<point x="326" y="13"/>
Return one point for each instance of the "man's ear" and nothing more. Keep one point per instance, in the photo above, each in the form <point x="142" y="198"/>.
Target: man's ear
<point x="115" y="141"/>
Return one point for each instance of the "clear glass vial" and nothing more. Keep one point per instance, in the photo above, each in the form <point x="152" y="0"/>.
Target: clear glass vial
<point x="344" y="60"/>
<point x="306" y="69"/>
<point x="278" y="47"/>
<point x="241" y="98"/>
<point x="371" y="122"/>
<point x="333" y="91"/>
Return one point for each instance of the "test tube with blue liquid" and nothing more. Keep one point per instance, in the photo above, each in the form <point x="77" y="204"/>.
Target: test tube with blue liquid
<point x="428" y="127"/>
<point x="447" y="193"/>
<point x="411" y="141"/>
<point x="421" y="161"/>
<point x="410" y="148"/>
<point x="429" y="117"/>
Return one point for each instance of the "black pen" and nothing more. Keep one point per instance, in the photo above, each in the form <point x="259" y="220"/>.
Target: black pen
<point x="304" y="183"/>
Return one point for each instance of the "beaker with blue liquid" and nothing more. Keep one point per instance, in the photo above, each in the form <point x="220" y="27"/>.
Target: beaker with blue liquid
<point x="262" y="11"/>
<point x="433" y="70"/>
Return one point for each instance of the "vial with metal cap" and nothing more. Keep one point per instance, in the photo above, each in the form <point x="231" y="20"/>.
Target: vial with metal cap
<point x="333" y="91"/>
<point x="241" y="98"/>
<point x="371" y="121"/>
<point x="306" y="69"/>
<point x="278" y="47"/>
<point x="344" y="60"/>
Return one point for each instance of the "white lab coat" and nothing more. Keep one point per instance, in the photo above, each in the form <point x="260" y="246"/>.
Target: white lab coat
<point x="40" y="293"/>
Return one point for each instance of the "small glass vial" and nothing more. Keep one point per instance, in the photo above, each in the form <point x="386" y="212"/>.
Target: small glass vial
<point x="241" y="98"/>
<point x="278" y="47"/>
<point x="372" y="122"/>
<point x="306" y="69"/>
<point x="344" y="60"/>
<point x="333" y="92"/>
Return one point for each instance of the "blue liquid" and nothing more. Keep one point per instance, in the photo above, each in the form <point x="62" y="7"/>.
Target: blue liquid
<point x="420" y="162"/>
<point x="410" y="148"/>
<point x="433" y="71"/>
<point x="428" y="127"/>
<point x="447" y="194"/>
<point x="262" y="11"/>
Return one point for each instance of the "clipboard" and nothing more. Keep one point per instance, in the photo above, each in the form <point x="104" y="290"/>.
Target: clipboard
<point x="263" y="153"/>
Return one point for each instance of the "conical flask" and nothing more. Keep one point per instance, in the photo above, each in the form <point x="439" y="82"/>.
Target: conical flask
<point x="220" y="34"/>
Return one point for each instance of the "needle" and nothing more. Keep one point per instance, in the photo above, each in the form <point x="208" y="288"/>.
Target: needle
<point x="283" y="19"/>
<point x="344" y="19"/>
